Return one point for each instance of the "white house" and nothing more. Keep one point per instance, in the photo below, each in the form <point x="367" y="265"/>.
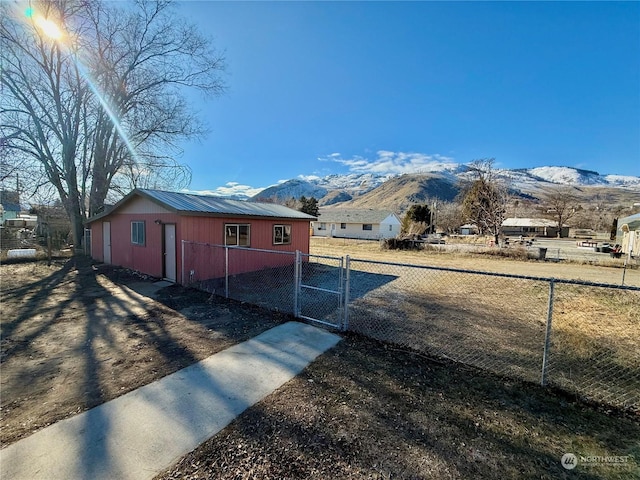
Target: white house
<point x="350" y="223"/>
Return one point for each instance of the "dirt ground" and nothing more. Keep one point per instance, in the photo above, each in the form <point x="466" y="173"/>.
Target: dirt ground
<point x="75" y="335"/>
<point x="364" y="410"/>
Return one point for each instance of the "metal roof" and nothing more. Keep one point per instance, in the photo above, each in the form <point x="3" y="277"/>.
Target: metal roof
<point x="345" y="215"/>
<point x="187" y="203"/>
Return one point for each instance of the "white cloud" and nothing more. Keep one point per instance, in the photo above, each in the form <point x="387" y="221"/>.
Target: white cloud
<point x="309" y="178"/>
<point x="229" y="189"/>
<point x="387" y="162"/>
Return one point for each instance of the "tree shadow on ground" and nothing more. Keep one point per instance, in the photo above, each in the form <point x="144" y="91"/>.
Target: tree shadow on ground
<point x="73" y="339"/>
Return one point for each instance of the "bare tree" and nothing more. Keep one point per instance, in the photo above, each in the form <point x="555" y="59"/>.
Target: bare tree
<point x="101" y="105"/>
<point x="484" y="199"/>
<point x="561" y="204"/>
<point x="450" y="216"/>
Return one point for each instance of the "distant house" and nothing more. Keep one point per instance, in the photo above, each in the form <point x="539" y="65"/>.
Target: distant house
<point x="145" y="232"/>
<point x="9" y="206"/>
<point x="469" y="229"/>
<point x="533" y="227"/>
<point x="356" y="223"/>
<point x="22" y="220"/>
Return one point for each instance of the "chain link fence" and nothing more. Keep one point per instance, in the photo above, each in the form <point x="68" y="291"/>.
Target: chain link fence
<point x="581" y="337"/>
<point x="594" y="347"/>
<point x="321" y="289"/>
<point x="496" y="323"/>
<point x="265" y="278"/>
<point x="578" y="336"/>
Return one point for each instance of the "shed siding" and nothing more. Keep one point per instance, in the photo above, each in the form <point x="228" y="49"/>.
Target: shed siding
<point x="145" y="258"/>
<point x="211" y="230"/>
<point x="142" y="205"/>
<point x="97" y="252"/>
<point x="209" y="263"/>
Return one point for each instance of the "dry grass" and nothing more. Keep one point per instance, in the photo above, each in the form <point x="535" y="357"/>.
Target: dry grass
<point x="499" y="324"/>
<point x="460" y="256"/>
<point x="596" y="348"/>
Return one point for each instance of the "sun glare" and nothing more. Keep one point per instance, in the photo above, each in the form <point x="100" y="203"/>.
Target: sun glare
<point x="49" y="28"/>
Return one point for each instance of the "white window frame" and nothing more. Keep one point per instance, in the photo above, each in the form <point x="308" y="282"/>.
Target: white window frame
<point x="138" y="229"/>
<point x="369" y="225"/>
<point x="237" y="227"/>
<point x="284" y="238"/>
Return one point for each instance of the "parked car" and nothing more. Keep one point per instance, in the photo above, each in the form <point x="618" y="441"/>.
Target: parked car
<point x="616" y="251"/>
<point x="606" y="248"/>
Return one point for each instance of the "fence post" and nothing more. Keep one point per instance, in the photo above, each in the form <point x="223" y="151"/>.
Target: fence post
<point x="226" y="272"/>
<point x="547" y="339"/>
<point x="182" y="262"/>
<point x="347" y="283"/>
<point x="296" y="284"/>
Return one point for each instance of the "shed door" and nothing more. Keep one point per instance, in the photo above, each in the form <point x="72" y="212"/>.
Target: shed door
<point x="169" y="251"/>
<point x="106" y="242"/>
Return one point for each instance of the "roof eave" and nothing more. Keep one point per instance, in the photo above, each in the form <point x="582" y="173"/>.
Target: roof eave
<point x="124" y="200"/>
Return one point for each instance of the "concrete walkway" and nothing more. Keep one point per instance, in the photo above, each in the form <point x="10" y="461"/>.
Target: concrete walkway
<point x="139" y="434"/>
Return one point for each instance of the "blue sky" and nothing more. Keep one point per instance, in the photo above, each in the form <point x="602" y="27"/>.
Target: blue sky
<point x="333" y="87"/>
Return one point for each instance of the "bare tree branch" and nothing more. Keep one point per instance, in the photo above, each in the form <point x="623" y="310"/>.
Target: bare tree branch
<point x="95" y="108"/>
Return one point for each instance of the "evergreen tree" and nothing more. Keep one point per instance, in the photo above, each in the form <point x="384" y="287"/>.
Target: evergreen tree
<point x="416" y="220"/>
<point x="309" y="206"/>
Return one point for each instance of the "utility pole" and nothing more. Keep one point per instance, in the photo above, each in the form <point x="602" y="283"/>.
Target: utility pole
<point x="435" y="215"/>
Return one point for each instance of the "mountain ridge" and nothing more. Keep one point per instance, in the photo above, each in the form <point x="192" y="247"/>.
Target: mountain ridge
<point x="401" y="190"/>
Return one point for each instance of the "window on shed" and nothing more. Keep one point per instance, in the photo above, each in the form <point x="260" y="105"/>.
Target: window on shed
<point x="281" y="234"/>
<point x="237" y="234"/>
<point x="367" y="226"/>
<point x="137" y="233"/>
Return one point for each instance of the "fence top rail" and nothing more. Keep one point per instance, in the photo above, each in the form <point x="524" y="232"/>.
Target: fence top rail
<point x="236" y="247"/>
<point x="326" y="257"/>
<point x="505" y="275"/>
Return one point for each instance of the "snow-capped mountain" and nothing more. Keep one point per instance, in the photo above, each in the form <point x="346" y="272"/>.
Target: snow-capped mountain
<point x="532" y="179"/>
<point x="294" y="188"/>
<point x="348" y="185"/>
<point x="350" y="182"/>
<point x="338" y="188"/>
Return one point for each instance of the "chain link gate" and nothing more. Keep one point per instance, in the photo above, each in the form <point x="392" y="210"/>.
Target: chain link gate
<point x="319" y="290"/>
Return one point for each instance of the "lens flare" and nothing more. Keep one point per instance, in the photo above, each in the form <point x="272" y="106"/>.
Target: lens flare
<point x="51" y="29"/>
<point x="107" y="108"/>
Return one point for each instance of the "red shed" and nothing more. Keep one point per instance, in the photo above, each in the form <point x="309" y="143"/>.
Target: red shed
<point x="144" y="230"/>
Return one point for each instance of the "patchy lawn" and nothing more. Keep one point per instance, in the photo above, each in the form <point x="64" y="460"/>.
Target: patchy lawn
<point x="75" y="335"/>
